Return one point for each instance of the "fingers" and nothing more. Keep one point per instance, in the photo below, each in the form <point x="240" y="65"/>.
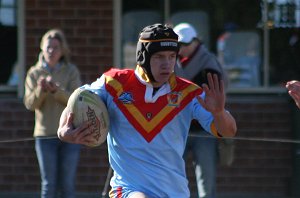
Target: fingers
<point x="42" y="83"/>
<point x="79" y="135"/>
<point x="211" y="82"/>
<point x="49" y="78"/>
<point x="214" y="83"/>
<point x="293" y="86"/>
<point x="214" y="100"/>
<point x="205" y="87"/>
<point x="292" y="82"/>
<point x="48" y="84"/>
<point x="82" y="130"/>
<point x="41" y="80"/>
<point x="90" y="140"/>
<point x="51" y="85"/>
<point x="84" y="133"/>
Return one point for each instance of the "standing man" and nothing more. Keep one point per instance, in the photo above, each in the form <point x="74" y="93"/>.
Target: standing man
<point x="150" y="111"/>
<point x="194" y="62"/>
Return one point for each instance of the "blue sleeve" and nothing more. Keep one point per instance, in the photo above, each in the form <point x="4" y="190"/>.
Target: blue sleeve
<point x="98" y="87"/>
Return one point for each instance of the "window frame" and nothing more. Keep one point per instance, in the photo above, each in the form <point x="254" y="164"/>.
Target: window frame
<point x="19" y="89"/>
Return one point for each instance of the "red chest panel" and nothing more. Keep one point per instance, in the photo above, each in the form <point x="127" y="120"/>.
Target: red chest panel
<point x="147" y="118"/>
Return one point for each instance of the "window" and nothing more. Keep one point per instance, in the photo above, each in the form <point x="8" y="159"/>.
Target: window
<point x="273" y="67"/>
<point x="10" y="48"/>
<point x="8" y="12"/>
<point x="132" y="13"/>
<point x="8" y="36"/>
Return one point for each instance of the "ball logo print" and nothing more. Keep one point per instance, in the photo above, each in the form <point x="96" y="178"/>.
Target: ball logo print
<point x="87" y="106"/>
<point x="95" y="129"/>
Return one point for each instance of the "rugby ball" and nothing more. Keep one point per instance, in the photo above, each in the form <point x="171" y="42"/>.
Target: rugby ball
<point x="88" y="106"/>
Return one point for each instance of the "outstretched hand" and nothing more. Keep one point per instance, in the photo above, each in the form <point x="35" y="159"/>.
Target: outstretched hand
<point x="80" y="135"/>
<point x="214" y="100"/>
<point x="293" y="87"/>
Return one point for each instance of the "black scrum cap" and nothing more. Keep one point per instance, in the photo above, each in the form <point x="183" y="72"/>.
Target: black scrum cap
<point x="152" y="39"/>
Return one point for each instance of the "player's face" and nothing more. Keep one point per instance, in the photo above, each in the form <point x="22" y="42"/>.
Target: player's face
<point x="52" y="51"/>
<point x="162" y="66"/>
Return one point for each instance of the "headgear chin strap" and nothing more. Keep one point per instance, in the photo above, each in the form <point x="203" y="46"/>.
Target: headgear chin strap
<point x="152" y="39"/>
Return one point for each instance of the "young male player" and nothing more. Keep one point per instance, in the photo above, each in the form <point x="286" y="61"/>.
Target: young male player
<point x="150" y="112"/>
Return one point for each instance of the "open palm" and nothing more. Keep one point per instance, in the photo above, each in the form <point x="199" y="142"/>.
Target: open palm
<point x="214" y="100"/>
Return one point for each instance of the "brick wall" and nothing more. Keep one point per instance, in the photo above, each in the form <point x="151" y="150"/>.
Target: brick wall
<point x="259" y="166"/>
<point x="262" y="164"/>
<point x="18" y="163"/>
<point x="88" y="28"/>
<point x="87" y="25"/>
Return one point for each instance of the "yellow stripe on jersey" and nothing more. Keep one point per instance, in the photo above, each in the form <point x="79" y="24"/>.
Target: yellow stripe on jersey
<point x="148" y="125"/>
<point x="214" y="130"/>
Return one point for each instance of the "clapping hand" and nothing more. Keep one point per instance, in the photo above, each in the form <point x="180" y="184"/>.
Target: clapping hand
<point x="47" y="84"/>
<point x="51" y="85"/>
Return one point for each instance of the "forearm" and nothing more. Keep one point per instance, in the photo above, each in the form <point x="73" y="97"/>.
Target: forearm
<point x="34" y="98"/>
<point x="225" y="124"/>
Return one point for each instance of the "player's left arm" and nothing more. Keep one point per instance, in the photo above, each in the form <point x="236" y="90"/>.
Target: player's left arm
<point x="214" y="102"/>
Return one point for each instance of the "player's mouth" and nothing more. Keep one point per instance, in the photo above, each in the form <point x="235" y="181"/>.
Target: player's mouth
<point x="165" y="74"/>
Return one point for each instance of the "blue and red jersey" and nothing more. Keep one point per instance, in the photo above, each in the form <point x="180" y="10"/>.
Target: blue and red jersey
<point x="148" y="131"/>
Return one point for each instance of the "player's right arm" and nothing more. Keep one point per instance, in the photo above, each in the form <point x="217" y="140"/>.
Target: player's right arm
<point x="66" y="131"/>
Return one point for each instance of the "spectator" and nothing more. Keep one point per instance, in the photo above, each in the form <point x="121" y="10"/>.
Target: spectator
<point x="150" y="112"/>
<point x="225" y="56"/>
<point x="194" y="62"/>
<point x="49" y="83"/>
<point x="239" y="54"/>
